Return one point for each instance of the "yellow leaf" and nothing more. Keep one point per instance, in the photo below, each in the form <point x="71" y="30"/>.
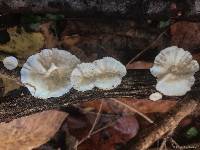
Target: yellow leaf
<point x="9" y="85"/>
<point x="22" y="44"/>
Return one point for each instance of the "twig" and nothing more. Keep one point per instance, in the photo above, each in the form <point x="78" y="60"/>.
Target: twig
<point x="93" y="126"/>
<point x="105" y="127"/>
<point x="163" y="145"/>
<point x="167" y="138"/>
<point x="133" y="109"/>
<point x="95" y="132"/>
<point x="96" y="119"/>
<point x="175" y="145"/>
<point x="145" y="49"/>
<point x="14" y="106"/>
<point x="171" y="120"/>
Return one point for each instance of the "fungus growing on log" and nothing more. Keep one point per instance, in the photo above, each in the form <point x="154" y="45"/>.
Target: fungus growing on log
<point x="105" y="74"/>
<point x="47" y="74"/>
<point x="10" y="62"/>
<point x="174" y="69"/>
<point x="110" y="73"/>
<point x="155" y="96"/>
<point x="83" y="77"/>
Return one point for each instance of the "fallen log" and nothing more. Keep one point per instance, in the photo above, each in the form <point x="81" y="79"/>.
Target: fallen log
<point x="137" y="9"/>
<point x="136" y="84"/>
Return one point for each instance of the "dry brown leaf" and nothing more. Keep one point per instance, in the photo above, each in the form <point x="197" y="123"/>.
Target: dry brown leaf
<point x="71" y="41"/>
<point x="30" y="132"/>
<point x="122" y="131"/>
<point x="186" y="34"/>
<point x="139" y="65"/>
<point x="50" y="40"/>
<point x="22" y="44"/>
<point x="112" y="133"/>
<point x="142" y="105"/>
<point x="9" y="85"/>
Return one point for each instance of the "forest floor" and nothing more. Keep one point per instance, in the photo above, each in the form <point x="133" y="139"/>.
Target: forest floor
<point x="106" y="123"/>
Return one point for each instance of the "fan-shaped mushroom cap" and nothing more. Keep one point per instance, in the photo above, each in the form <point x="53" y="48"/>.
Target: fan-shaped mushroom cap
<point x="174" y="69"/>
<point x="47" y="74"/>
<point x="10" y="62"/>
<point x="105" y="74"/>
<point x="110" y="73"/>
<point x="83" y="77"/>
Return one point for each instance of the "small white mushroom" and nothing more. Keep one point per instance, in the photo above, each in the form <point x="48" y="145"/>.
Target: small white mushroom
<point x="155" y="96"/>
<point x="174" y="69"/>
<point x="110" y="73"/>
<point x="83" y="77"/>
<point x="105" y="74"/>
<point x="47" y="74"/>
<point x="10" y="62"/>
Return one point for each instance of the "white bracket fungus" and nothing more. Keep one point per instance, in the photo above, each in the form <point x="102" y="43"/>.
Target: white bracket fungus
<point x="174" y="69"/>
<point x="83" y="77"/>
<point x="109" y="74"/>
<point x="105" y="74"/>
<point x="47" y="74"/>
<point x="155" y="96"/>
<point x="10" y="62"/>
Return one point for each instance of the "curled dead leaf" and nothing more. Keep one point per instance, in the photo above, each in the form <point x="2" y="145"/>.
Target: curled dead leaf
<point x="22" y="44"/>
<point x="108" y="133"/>
<point x="30" y="132"/>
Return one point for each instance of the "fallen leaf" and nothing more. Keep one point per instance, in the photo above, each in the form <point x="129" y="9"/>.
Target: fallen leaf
<point x="127" y="125"/>
<point x="142" y="105"/>
<point x="139" y="65"/>
<point x="125" y="128"/>
<point x="71" y="41"/>
<point x="185" y="34"/>
<point x="22" y="44"/>
<point x="30" y="132"/>
<point x="9" y="85"/>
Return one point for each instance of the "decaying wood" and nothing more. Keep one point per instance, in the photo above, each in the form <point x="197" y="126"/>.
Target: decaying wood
<point x="138" y="9"/>
<point x="136" y="84"/>
<point x="171" y="120"/>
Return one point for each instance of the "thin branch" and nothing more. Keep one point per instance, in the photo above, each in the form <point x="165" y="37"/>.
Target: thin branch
<point x="136" y="84"/>
<point x="147" y="48"/>
<point x="93" y="126"/>
<point x="171" y="120"/>
<point x="14" y="106"/>
<point x="133" y="109"/>
<point x="96" y="119"/>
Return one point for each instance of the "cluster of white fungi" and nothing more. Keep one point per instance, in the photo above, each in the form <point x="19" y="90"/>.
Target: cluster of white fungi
<point x="53" y="72"/>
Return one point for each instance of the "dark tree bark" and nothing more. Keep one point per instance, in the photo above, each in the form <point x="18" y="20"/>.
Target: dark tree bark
<point x="136" y="84"/>
<point x="138" y="9"/>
